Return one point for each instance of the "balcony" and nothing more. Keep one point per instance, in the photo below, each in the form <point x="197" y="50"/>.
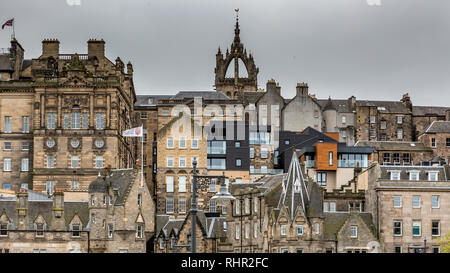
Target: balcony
<point x="352" y="163"/>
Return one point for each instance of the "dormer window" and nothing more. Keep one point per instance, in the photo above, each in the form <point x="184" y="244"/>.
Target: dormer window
<point x="395" y="175"/>
<point x="297" y="186"/>
<point x="433" y="176"/>
<point x="414" y="175"/>
<point x="39" y="230"/>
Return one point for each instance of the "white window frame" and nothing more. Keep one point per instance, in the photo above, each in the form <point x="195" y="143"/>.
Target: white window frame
<point x="194" y="140"/>
<point x="237" y="231"/>
<point x="7" y="164"/>
<point x="325" y="207"/>
<point x="170" y="143"/>
<point x="182" y="143"/>
<point x="434" y="175"/>
<point x="25" y="124"/>
<point x="353" y="231"/>
<point x="99" y="121"/>
<point x="399" y="200"/>
<point x="283" y="230"/>
<point x="50" y="163"/>
<point x="24" y="165"/>
<point x="169" y="183"/>
<point x="300" y="228"/>
<point x="414" y="201"/>
<point x="182" y="205"/>
<point x="169" y="210"/>
<point x="417" y="224"/>
<point x="78" y="230"/>
<point x="255" y="230"/>
<point x="401" y="228"/>
<point x="8" y="124"/>
<point x="317" y="228"/>
<point x="394" y="175"/>
<point x="139" y="231"/>
<point x="439" y="228"/>
<point x="433" y="205"/>
<point x="74" y="159"/>
<point x="332" y="206"/>
<point x="182" y="183"/>
<point x="98" y="161"/>
<point x="170" y="159"/>
<point x="412" y="174"/>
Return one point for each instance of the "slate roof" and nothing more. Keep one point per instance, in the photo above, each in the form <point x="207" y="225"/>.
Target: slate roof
<point x="390" y="106"/>
<point x="144" y="99"/>
<point x="334" y="221"/>
<point x="439" y="126"/>
<point x="208" y="95"/>
<point x="405" y="170"/>
<point x="342" y="106"/>
<point x="251" y="97"/>
<point x="394" y="145"/>
<point x="429" y="110"/>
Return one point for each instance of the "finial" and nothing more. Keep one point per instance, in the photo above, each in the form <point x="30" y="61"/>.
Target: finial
<point x="236" y="30"/>
<point x="219" y="52"/>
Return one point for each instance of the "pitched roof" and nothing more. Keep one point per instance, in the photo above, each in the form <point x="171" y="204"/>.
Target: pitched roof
<point x="142" y="100"/>
<point x="439" y="126"/>
<point x="429" y="110"/>
<point x="385" y="106"/>
<point x="342" y="106"/>
<point x="208" y="95"/>
<point x="251" y="97"/>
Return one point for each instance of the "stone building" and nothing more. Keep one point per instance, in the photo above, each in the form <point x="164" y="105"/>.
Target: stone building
<point x="398" y="152"/>
<point x="437" y="137"/>
<point x="302" y="111"/>
<point x="410" y="205"/>
<point x="384" y="120"/>
<point x="118" y="217"/>
<point x="423" y="116"/>
<point x="71" y="112"/>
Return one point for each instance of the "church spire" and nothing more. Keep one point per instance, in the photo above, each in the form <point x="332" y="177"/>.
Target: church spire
<point x="237" y="40"/>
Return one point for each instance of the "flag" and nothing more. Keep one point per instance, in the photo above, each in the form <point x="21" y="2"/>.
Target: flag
<point x="8" y="23"/>
<point x="133" y="132"/>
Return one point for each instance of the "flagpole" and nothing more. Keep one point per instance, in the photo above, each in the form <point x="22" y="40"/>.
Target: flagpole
<point x="14" y="33"/>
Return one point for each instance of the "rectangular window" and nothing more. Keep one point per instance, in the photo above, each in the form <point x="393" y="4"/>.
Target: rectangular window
<point x="182" y="162"/>
<point x="435" y="201"/>
<point x="24" y="165"/>
<point x="386" y="158"/>
<point x="76" y="121"/>
<point x="98" y="161"/>
<point x="396" y="158"/>
<point x="7" y="146"/>
<point x="433" y="142"/>
<point x="50" y="161"/>
<point x="170" y="161"/>
<point x="397" y="201"/>
<point x="252" y="152"/>
<point x="435" y="228"/>
<point x="212" y="185"/>
<point x="8" y="126"/>
<point x="182" y="184"/>
<point x="372" y="119"/>
<point x="110" y="230"/>
<point x="255" y="230"/>
<point x="447" y="142"/>
<point x="353" y="231"/>
<point x="322" y="179"/>
<point x="237" y="207"/>
<point x="264" y="152"/>
<point x="182" y="205"/>
<point x="436" y="249"/>
<point x="74" y="185"/>
<point x="169" y="205"/>
<point x="383" y="125"/>
<point x="25" y="146"/>
<point x="238" y="162"/>
<point x="84" y="120"/>
<point x="399" y="119"/>
<point x="182" y="143"/>
<point x="139" y="200"/>
<point x="238" y="231"/>
<point x="395" y="175"/>
<point x="247" y="206"/>
<point x="299" y="229"/>
<point x="325" y="207"/>
<point x="7" y="164"/>
<point x="237" y="144"/>
<point x="212" y="205"/>
<point x="416" y="201"/>
<point x="416" y="228"/>
<point x="194" y="143"/>
<point x="397" y="228"/>
<point x="76" y="230"/>
<point x="398" y="249"/>
<point x="399" y="133"/>
<point x="283" y="230"/>
<point x="25" y="124"/>
<point x="216" y="163"/>
<point x="317" y="228"/>
<point x="344" y="119"/>
<point x="39" y="230"/>
<point x="66" y="121"/>
<point x="406" y="158"/>
<point x="144" y="115"/>
<point x="169" y="143"/>
<point x="74" y="163"/>
<point x="330" y="158"/>
<point x="332" y="206"/>
<point x="51" y="120"/>
<point x="255" y="202"/>
<point x="139" y="231"/>
<point x="169" y="183"/>
<point x="252" y="169"/>
<point x="3" y="230"/>
<point x="432" y="176"/>
<point x="99" y="121"/>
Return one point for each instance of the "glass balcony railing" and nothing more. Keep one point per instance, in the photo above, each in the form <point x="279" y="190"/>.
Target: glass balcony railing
<point x="352" y="163"/>
<point x="310" y="163"/>
<point x="266" y="171"/>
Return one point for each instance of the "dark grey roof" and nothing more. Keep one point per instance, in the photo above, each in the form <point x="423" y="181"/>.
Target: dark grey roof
<point x="119" y="181"/>
<point x="429" y="110"/>
<point x="342" y="106"/>
<point x="332" y="224"/>
<point x="98" y="185"/>
<point x="439" y="126"/>
<point x="76" y="208"/>
<point x="405" y="170"/>
<point x="315" y="205"/>
<point x="394" y="145"/>
<point x="251" y="97"/>
<point x="208" y="95"/>
<point x="389" y="106"/>
<point x="26" y="64"/>
<point x="150" y="99"/>
<point x="329" y="105"/>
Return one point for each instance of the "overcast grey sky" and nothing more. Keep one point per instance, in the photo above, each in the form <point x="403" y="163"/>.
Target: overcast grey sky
<point x="339" y="47"/>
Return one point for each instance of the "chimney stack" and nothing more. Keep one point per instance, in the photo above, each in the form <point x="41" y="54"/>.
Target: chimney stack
<point x="278" y="88"/>
<point x="50" y="47"/>
<point x="96" y="48"/>
<point x="271" y="86"/>
<point x="302" y="89"/>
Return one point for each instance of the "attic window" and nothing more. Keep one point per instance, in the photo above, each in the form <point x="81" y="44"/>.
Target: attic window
<point x="39" y="230"/>
<point x="76" y="230"/>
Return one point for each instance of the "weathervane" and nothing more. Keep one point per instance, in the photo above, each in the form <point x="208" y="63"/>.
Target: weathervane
<point x="237" y="14"/>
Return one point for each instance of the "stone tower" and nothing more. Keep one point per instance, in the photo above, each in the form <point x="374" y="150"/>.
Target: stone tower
<point x="234" y="87"/>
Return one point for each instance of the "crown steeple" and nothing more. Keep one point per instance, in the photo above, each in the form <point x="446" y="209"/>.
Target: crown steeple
<point x="237" y="40"/>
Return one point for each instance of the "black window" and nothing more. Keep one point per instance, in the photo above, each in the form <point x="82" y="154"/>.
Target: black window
<point x="396" y="157"/>
<point x="447" y="142"/>
<point x="386" y="157"/>
<point x="398" y="249"/>
<point x="3" y="229"/>
<point x="435" y="228"/>
<point x="397" y="228"/>
<point x="76" y="230"/>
